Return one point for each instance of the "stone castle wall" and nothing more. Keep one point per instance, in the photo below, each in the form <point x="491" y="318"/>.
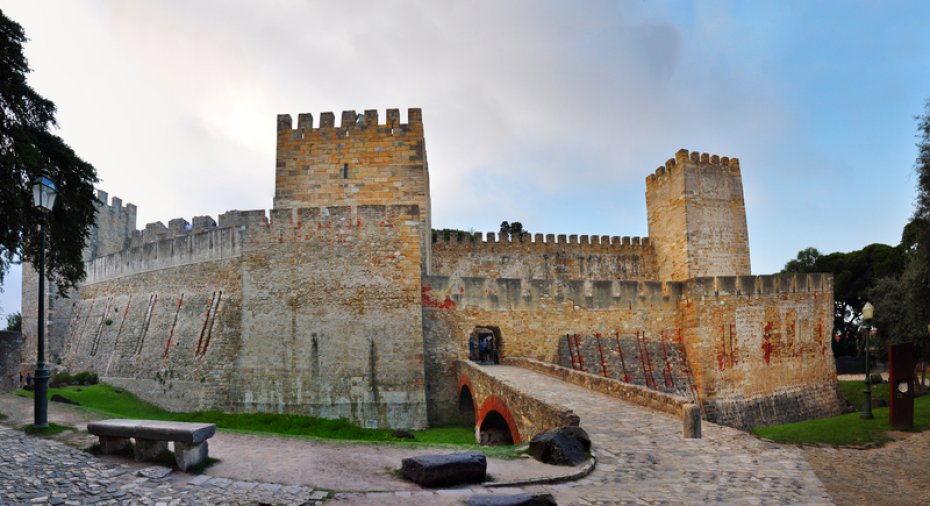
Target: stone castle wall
<point x="11" y="347"/>
<point x="341" y="303"/>
<point x="555" y="257"/>
<point x="360" y="162"/>
<point x="697" y="217"/>
<point x="315" y="311"/>
<point x="759" y="347"/>
<point x="756" y="348"/>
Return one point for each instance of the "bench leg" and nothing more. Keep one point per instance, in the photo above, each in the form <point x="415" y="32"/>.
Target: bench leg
<point x="190" y="454"/>
<point x="147" y="449"/>
<point x="113" y="444"/>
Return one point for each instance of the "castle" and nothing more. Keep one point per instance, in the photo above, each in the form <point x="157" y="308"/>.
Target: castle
<point x="341" y="302"/>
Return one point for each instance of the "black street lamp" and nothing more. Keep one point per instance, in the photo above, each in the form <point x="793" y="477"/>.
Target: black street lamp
<point x="43" y="195"/>
<point x="867" y="312"/>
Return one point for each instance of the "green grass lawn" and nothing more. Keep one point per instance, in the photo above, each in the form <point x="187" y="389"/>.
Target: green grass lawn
<point x="51" y="430"/>
<point x="105" y="400"/>
<point x="848" y="429"/>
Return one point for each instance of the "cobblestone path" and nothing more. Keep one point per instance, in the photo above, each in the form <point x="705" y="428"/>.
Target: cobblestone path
<point x="642" y="458"/>
<point x="38" y="471"/>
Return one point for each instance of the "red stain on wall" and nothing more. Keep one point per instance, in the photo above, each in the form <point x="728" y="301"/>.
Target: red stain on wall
<point x="430" y="301"/>
<point x="767" y="346"/>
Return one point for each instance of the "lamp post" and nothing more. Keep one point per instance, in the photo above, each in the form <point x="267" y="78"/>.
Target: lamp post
<point x="43" y="195"/>
<point x="867" y="312"/>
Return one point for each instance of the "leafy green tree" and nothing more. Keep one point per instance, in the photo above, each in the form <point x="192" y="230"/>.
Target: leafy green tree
<point x="513" y="230"/>
<point x="854" y="275"/>
<point x="805" y="261"/>
<point x="14" y="321"/>
<point x="27" y="148"/>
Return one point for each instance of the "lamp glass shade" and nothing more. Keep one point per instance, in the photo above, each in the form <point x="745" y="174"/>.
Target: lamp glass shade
<point x="43" y="193"/>
<point x="868" y="311"/>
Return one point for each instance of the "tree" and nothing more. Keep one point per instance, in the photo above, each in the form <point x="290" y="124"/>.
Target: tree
<point x="14" y="321"/>
<point x="27" y="148"/>
<point x="805" y="261"/>
<point x="915" y="242"/>
<point x="513" y="230"/>
<point x="854" y="275"/>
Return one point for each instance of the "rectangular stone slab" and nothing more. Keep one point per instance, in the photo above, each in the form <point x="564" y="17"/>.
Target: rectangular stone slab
<point x="185" y="432"/>
<point x="445" y="470"/>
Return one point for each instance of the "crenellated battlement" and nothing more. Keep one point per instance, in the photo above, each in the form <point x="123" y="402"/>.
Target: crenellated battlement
<point x="536" y="241"/>
<point x="181" y="244"/>
<point x="773" y="284"/>
<point x="351" y="120"/>
<point x="684" y="156"/>
<point x="506" y="294"/>
<point x="114" y="206"/>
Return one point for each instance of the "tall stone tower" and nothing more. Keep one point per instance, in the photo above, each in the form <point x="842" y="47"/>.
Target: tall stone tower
<point x="360" y="162"/>
<point x="697" y="218"/>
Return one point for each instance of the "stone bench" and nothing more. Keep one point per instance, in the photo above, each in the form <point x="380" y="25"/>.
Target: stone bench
<point x="152" y="437"/>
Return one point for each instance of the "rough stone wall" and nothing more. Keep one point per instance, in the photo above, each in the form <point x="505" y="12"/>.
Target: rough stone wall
<point x="11" y="347"/>
<point x="315" y="312"/>
<point x="572" y="257"/>
<point x="360" y="162"/>
<point x="757" y="347"/>
<point x="532" y="316"/>
<point x="331" y="318"/>
<point x="162" y="319"/>
<point x="697" y="217"/>
<point x="760" y="347"/>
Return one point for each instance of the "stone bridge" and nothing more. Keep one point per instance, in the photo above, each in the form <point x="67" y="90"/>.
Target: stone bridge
<point x="506" y="411"/>
<point x="641" y="454"/>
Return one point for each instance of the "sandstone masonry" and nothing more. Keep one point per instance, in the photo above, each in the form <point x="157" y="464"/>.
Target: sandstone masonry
<point x="340" y="302"/>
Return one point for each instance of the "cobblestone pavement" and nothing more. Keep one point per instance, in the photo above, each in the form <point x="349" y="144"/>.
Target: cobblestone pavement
<point x="893" y="475"/>
<point x="37" y="471"/>
<point x="642" y="458"/>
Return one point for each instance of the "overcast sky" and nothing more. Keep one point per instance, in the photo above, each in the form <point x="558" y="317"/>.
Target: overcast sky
<point x="548" y="113"/>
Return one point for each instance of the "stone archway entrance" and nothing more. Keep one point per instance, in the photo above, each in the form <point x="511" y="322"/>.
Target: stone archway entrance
<point x="494" y="430"/>
<point x="485" y="344"/>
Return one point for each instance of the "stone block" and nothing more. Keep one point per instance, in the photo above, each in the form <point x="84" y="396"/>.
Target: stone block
<point x="691" y="421"/>
<point x="561" y="447"/>
<point x="512" y="500"/>
<point x="190" y="454"/>
<point x="147" y="449"/>
<point x="445" y="470"/>
<point x="113" y="444"/>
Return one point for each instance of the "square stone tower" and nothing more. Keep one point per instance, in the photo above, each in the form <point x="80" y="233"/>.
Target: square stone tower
<point x="697" y="218"/>
<point x="360" y="162"/>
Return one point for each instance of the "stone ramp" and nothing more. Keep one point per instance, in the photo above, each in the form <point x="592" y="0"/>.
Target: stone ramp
<point x="642" y="458"/>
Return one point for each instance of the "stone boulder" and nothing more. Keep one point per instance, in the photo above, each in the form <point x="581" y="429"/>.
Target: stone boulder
<point x="64" y="400"/>
<point x="512" y="500"/>
<point x="567" y="446"/>
<point x="445" y="470"/>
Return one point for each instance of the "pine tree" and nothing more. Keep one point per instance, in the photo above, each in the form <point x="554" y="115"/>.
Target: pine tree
<point x="27" y="149"/>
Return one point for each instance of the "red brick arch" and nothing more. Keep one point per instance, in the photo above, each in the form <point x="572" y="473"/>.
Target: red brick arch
<point x="465" y="382"/>
<point x="493" y="403"/>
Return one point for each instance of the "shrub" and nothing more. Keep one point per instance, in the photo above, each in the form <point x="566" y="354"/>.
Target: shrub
<point x="60" y="379"/>
<point x="86" y="378"/>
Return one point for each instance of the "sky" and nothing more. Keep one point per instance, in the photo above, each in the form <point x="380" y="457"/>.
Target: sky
<point x="547" y="113"/>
